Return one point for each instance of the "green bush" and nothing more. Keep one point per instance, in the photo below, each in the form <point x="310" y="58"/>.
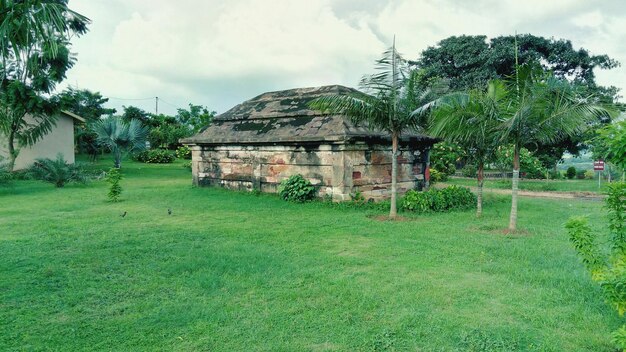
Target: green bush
<point x="469" y="171"/>
<point x="5" y="174"/>
<point x="296" y="189"/>
<point x="589" y="175"/>
<point x="437" y="176"/>
<point x="444" y="156"/>
<point x="155" y="156"/>
<point x="580" y="174"/>
<point x="57" y="171"/>
<point x="571" y="172"/>
<point x="437" y="200"/>
<point x="113" y="178"/>
<point x="183" y="152"/>
<point x="187" y="165"/>
<point x="554" y="175"/>
<point x="530" y="166"/>
<point x="607" y="267"/>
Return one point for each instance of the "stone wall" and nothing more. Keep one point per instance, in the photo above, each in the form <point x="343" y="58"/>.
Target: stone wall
<point x="335" y="169"/>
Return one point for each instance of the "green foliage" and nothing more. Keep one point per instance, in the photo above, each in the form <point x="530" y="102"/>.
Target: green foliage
<point x="166" y="131"/>
<point x="571" y="172"/>
<point x="581" y="174"/>
<point x="85" y="103"/>
<point x="469" y="170"/>
<point x="530" y="166"/>
<point x="437" y="176"/>
<point x="5" y="173"/>
<point x="155" y="156"/>
<point x="444" y="156"/>
<point x="187" y="165"/>
<point x="35" y="55"/>
<point x="608" y="270"/>
<point x="113" y="178"/>
<point x="197" y="117"/>
<point x="445" y="199"/>
<point x="120" y="137"/>
<point x="134" y="113"/>
<point x="183" y="152"/>
<point x="296" y="189"/>
<point x="58" y="171"/>
<point x="610" y="144"/>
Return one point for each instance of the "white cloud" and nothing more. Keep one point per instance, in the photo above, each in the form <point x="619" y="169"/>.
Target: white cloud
<point x="219" y="53"/>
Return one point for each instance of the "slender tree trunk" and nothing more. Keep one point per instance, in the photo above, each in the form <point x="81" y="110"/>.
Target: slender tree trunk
<point x="118" y="158"/>
<point x="13" y="152"/>
<point x="481" y="180"/>
<point x="393" y="211"/>
<point x="514" y="189"/>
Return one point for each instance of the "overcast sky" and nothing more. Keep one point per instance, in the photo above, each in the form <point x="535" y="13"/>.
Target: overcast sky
<point x="220" y="53"/>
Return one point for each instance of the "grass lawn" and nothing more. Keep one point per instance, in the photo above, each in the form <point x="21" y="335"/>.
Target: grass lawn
<point x="232" y="271"/>
<point x="535" y="185"/>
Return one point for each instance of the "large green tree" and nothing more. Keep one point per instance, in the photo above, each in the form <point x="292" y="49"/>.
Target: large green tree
<point x="196" y="117"/>
<point x="34" y="56"/>
<point x="85" y="103"/>
<point x="469" y="62"/>
<point x="471" y="120"/>
<point x="391" y="101"/>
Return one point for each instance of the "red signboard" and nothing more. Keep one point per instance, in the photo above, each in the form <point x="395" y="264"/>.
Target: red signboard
<point x="598" y="165"/>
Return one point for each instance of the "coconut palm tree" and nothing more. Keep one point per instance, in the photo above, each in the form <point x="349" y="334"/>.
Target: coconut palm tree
<point x="120" y="136"/>
<point x="542" y="109"/>
<point x="391" y="101"/>
<point x="471" y="120"/>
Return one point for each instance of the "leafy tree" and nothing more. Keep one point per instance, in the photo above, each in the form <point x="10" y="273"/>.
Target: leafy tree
<point x="443" y="159"/>
<point x="34" y="56"/>
<point x="135" y="113"/>
<point x="120" y="136"/>
<point x="469" y="62"/>
<point x="610" y="144"/>
<point x="471" y="120"/>
<point x="89" y="105"/>
<point x="197" y="117"/>
<point x="391" y="101"/>
<point x="166" y="131"/>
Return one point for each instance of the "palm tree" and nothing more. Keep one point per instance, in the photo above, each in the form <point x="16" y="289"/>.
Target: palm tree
<point x="120" y="136"/>
<point x="542" y="109"/>
<point x="34" y="56"/>
<point x="471" y="120"/>
<point x="391" y="101"/>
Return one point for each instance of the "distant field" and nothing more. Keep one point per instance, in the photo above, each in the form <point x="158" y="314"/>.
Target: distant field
<point x="231" y="271"/>
<point x="535" y="185"/>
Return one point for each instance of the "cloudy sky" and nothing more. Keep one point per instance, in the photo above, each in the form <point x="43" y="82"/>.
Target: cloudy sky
<point x="219" y="53"/>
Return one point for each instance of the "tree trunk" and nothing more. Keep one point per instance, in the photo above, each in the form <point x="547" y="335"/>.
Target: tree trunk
<point x="393" y="211"/>
<point x="514" y="189"/>
<point x="13" y="153"/>
<point x="481" y="180"/>
<point x="118" y="158"/>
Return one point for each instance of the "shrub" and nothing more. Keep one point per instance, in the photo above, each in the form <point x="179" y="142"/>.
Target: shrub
<point x="530" y="166"/>
<point x="554" y="175"/>
<point x="57" y="171"/>
<point x="444" y="156"/>
<point x="580" y="174"/>
<point x="437" y="176"/>
<point x="113" y="178"/>
<point x="606" y="269"/>
<point x="5" y="174"/>
<point x="155" y="156"/>
<point x="187" y="165"/>
<point x="589" y="175"/>
<point x="469" y="171"/>
<point x="445" y="199"/>
<point x="183" y="152"/>
<point x="571" y="172"/>
<point x="297" y="189"/>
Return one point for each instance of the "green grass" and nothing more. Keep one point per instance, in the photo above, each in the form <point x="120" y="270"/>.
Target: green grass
<point x="232" y="271"/>
<point x="535" y="185"/>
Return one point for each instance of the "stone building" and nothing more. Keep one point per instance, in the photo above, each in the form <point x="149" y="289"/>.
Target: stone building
<point x="260" y="142"/>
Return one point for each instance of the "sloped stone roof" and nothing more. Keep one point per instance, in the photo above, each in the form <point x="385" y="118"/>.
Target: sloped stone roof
<point x="285" y="117"/>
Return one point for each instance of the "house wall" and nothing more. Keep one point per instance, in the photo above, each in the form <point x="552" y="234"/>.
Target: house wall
<point x="336" y="170"/>
<point x="59" y="140"/>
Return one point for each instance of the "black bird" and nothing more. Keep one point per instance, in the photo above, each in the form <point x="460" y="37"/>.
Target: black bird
<point x="123" y="215"/>
<point x="169" y="211"/>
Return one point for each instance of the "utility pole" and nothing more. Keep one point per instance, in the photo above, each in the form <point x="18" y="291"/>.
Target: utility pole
<point x="156" y="108"/>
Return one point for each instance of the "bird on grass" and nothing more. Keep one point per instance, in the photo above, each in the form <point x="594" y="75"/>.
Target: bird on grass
<point x="123" y="215"/>
<point x="169" y="211"/>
